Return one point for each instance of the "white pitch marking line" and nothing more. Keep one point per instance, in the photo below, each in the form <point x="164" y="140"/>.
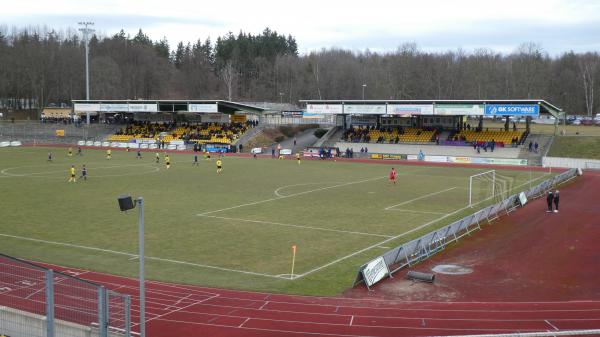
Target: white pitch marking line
<point x="298" y="226"/>
<point x="264" y="305"/>
<point x="290" y="195"/>
<point x="413" y="211"/>
<point x="302" y="184"/>
<point x="419" y="198"/>
<point x="134" y="255"/>
<point x="552" y="325"/>
<point x="351" y="320"/>
<point x="403" y="234"/>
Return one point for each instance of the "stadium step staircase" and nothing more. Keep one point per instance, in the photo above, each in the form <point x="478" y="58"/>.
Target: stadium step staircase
<point x="533" y="158"/>
<point x="245" y="138"/>
<point x="330" y="138"/>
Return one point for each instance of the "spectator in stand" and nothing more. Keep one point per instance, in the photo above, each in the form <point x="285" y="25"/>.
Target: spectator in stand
<point x="535" y="146"/>
<point x="530" y="146"/>
<point x="366" y="149"/>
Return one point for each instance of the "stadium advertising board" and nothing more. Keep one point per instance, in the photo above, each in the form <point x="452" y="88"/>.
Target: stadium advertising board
<point x="307" y="114"/>
<point x="143" y="107"/>
<point x="532" y="110"/>
<point x="285" y="152"/>
<point x="365" y="109"/>
<point x="86" y="107"/>
<point x="298" y="114"/>
<point x="323" y="109"/>
<point x="212" y="108"/>
<point x="410" y="109"/>
<point x="459" y="109"/>
<point x="375" y="271"/>
<point x="238" y="118"/>
<point x="386" y="156"/>
<point x="114" y="107"/>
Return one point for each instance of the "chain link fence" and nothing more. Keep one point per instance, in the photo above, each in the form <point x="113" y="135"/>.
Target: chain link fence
<point x="46" y="133"/>
<point x="39" y="302"/>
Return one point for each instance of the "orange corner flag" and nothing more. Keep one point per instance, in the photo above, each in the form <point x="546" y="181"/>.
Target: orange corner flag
<point x="294" y="248"/>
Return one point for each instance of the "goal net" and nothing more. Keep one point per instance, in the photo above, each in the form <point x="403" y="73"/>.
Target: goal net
<point x="488" y="186"/>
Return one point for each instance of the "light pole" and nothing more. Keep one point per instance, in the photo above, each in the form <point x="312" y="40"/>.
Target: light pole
<point x="86" y="37"/>
<point x="363" y="87"/>
<point x="281" y="97"/>
<point x="126" y="203"/>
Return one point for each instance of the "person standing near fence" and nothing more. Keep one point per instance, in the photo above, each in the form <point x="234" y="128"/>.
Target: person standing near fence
<point x="556" y="200"/>
<point x="549" y="200"/>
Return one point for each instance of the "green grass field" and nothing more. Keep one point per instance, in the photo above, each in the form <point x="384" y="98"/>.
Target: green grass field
<point x="575" y="147"/>
<point x="232" y="230"/>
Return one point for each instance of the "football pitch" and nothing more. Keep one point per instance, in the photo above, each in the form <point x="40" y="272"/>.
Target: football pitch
<point x="234" y="229"/>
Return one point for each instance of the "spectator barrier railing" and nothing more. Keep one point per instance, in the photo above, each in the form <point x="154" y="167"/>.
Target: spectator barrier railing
<point x="425" y="246"/>
<point x="39" y="302"/>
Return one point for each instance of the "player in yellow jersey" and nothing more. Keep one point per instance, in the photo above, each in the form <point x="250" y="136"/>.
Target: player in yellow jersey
<point x="168" y="161"/>
<point x="72" y="172"/>
<point x="298" y="157"/>
<point x="108" y="154"/>
<point x="219" y="166"/>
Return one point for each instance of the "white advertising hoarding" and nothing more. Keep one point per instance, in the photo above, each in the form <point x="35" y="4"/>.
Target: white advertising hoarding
<point x="321" y="109"/>
<point x="365" y="109"/>
<point x="110" y="107"/>
<point x="410" y="109"/>
<point x="203" y="108"/>
<point x="374" y="271"/>
<point x="86" y="107"/>
<point x="143" y="107"/>
<point x="459" y="109"/>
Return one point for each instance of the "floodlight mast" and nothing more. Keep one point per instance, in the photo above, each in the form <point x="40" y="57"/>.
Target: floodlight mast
<point x="86" y="37"/>
<point x="127" y="203"/>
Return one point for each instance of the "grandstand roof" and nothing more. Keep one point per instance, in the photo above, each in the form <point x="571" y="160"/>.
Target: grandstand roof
<point x="174" y="105"/>
<point x="545" y="107"/>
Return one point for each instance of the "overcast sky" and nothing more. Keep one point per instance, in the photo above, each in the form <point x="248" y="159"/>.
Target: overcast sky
<point x="435" y="25"/>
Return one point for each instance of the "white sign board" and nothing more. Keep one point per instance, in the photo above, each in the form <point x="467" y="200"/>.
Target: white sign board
<point x="285" y="152"/>
<point x="256" y="150"/>
<point x="321" y="109"/>
<point x="459" y="109"/>
<point x="203" y="108"/>
<point x="375" y="271"/>
<point x="365" y="109"/>
<point x="410" y="109"/>
<point x="143" y="107"/>
<point x="522" y="198"/>
<point x="116" y="107"/>
<point x="86" y="107"/>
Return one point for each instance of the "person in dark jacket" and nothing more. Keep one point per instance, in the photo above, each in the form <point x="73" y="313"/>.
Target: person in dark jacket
<point x="549" y="200"/>
<point x="556" y="200"/>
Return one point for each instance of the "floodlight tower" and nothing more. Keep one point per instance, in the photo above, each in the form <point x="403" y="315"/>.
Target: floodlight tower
<point x="86" y="37"/>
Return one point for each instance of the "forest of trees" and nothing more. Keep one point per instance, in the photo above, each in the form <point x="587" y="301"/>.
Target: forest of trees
<point x="49" y="67"/>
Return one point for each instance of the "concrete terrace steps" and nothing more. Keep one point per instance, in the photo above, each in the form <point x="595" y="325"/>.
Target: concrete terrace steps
<point x="533" y="158"/>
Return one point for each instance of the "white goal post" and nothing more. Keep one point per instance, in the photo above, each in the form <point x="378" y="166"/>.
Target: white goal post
<point x="488" y="176"/>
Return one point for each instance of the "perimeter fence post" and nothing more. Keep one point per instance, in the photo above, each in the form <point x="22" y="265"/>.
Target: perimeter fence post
<point x="102" y="317"/>
<point x="127" y="316"/>
<point x="49" y="303"/>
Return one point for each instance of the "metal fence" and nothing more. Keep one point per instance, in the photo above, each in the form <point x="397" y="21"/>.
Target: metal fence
<point x="39" y="302"/>
<point x="425" y="246"/>
<point x="33" y="132"/>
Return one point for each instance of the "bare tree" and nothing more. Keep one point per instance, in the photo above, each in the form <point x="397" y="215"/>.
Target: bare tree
<point x="228" y="75"/>
<point x="588" y="65"/>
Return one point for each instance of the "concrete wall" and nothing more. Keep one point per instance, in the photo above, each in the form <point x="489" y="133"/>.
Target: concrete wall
<point x="18" y="323"/>
<point x="570" y="162"/>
